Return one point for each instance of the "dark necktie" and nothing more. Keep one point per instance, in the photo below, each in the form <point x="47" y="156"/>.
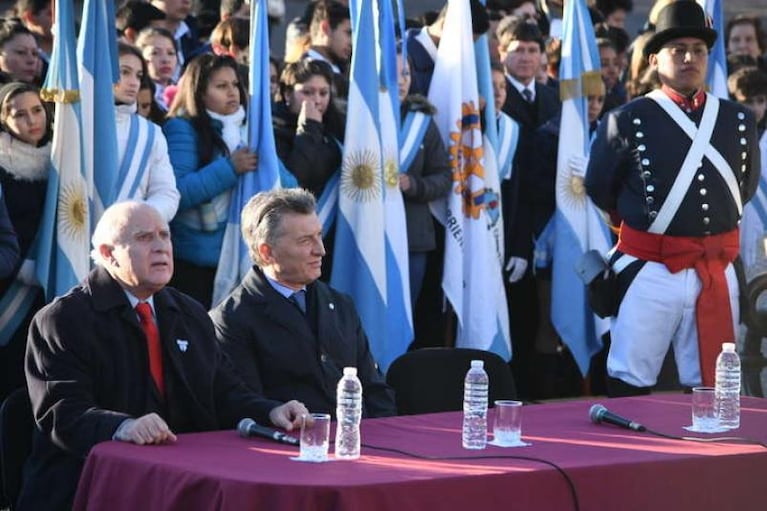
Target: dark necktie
<point x="299" y="299"/>
<point x="528" y="95"/>
<point x="154" y="349"/>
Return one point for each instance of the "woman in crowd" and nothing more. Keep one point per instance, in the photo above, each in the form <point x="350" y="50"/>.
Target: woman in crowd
<point x="158" y="47"/>
<point x="145" y="172"/>
<point x="146" y="106"/>
<point x="427" y="177"/>
<point x="25" y="151"/>
<point x="206" y="142"/>
<point x="308" y="128"/>
<point x="19" y="58"/>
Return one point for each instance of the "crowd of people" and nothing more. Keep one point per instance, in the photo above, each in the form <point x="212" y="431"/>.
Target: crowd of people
<point x="283" y="334"/>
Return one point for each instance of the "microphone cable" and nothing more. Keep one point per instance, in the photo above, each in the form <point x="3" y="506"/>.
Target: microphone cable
<point x="730" y="439"/>
<point x="565" y="476"/>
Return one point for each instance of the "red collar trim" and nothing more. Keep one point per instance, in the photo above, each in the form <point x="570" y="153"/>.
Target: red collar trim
<point x="687" y="104"/>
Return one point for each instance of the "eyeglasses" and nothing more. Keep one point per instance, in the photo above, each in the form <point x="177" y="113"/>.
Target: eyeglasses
<point x="680" y="51"/>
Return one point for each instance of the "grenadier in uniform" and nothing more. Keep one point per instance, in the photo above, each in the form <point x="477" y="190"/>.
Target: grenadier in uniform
<point x="677" y="166"/>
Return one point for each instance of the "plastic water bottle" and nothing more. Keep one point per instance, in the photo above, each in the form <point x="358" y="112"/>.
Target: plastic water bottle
<point x="728" y="386"/>
<point x="475" y="407"/>
<point x="348" y="415"/>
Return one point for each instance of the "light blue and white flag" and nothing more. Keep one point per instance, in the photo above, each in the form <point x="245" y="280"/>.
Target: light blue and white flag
<point x="578" y="224"/>
<point x="62" y="252"/>
<point x="493" y="211"/>
<point x="363" y="247"/>
<point x="472" y="271"/>
<point x="234" y="261"/>
<point x="98" y="72"/>
<point x="716" y="76"/>
<point x="399" y="324"/>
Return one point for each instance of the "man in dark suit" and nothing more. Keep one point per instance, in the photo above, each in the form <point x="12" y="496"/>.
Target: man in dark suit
<point x="288" y="333"/>
<point x="531" y="104"/>
<point x="122" y="357"/>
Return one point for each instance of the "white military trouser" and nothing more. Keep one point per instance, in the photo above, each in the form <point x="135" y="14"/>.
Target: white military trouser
<point x="658" y="310"/>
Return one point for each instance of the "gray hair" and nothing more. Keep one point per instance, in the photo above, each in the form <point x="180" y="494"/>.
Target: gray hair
<point x="111" y="226"/>
<point x="261" y="218"/>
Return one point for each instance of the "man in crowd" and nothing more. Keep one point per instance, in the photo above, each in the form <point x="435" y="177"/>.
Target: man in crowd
<point x="287" y="333"/>
<point x="330" y="40"/>
<point x="122" y="357"/>
<point x="676" y="166"/>
<point x="531" y="104"/>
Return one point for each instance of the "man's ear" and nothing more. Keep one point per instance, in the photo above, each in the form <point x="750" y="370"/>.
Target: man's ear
<point x="106" y="253"/>
<point x="325" y="27"/>
<point x="265" y="251"/>
<point x="653" y="60"/>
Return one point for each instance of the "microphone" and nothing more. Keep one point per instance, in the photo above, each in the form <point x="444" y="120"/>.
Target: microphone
<point x="599" y="414"/>
<point x="248" y="428"/>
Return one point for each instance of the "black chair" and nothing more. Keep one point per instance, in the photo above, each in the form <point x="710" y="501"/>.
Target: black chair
<point x="431" y="379"/>
<point x="16" y="426"/>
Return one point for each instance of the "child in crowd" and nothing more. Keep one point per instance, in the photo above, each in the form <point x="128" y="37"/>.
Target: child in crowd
<point x="145" y="172"/>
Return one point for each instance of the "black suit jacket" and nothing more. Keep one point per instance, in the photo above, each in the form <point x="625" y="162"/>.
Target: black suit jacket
<point x="516" y="196"/>
<point x="87" y="372"/>
<point x="280" y="352"/>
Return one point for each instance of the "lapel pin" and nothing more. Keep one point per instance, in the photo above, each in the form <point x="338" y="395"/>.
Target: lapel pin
<point x="331" y="306"/>
<point x="183" y="345"/>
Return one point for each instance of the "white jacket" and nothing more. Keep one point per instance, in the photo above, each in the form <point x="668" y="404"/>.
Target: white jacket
<point x="157" y="183"/>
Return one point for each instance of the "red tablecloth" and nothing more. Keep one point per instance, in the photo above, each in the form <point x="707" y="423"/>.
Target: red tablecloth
<point x="610" y="468"/>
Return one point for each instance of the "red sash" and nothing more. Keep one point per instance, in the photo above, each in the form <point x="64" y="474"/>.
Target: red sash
<point x="709" y="255"/>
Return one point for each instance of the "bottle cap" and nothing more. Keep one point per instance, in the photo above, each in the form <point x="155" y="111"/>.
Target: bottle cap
<point x="728" y="346"/>
<point x="350" y="371"/>
<point x="478" y="363"/>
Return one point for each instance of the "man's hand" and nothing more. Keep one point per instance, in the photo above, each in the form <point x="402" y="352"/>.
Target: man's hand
<point x="516" y="266"/>
<point x="147" y="429"/>
<point x="289" y="415"/>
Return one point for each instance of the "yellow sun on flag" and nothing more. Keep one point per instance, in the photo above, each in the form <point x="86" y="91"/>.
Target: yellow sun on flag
<point x="73" y="212"/>
<point x="391" y="172"/>
<point x="360" y="176"/>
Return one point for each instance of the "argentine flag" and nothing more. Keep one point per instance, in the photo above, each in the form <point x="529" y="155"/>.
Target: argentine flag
<point x="99" y="71"/>
<point x="578" y="224"/>
<point x="62" y="258"/>
<point x="399" y="324"/>
<point x="472" y="279"/>
<point x="364" y="245"/>
<point x="716" y="76"/>
<point x="234" y="261"/>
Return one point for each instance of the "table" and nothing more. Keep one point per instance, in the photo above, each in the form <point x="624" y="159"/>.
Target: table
<point x="610" y="468"/>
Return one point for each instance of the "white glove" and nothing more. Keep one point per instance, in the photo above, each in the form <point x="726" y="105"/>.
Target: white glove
<point x="516" y="266"/>
<point x="26" y="273"/>
<point x="577" y="165"/>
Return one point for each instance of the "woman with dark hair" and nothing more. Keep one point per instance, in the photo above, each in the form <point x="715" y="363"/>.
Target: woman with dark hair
<point x="25" y="151"/>
<point x="207" y="146"/>
<point x="145" y="172"/>
<point x="308" y="128"/>
<point x="19" y="57"/>
<point x="158" y="48"/>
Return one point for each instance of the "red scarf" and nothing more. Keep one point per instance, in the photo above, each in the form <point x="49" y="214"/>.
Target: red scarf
<point x="709" y="255"/>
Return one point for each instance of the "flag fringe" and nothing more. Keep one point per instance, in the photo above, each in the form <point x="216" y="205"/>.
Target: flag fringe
<point x="66" y="96"/>
<point x="589" y="84"/>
